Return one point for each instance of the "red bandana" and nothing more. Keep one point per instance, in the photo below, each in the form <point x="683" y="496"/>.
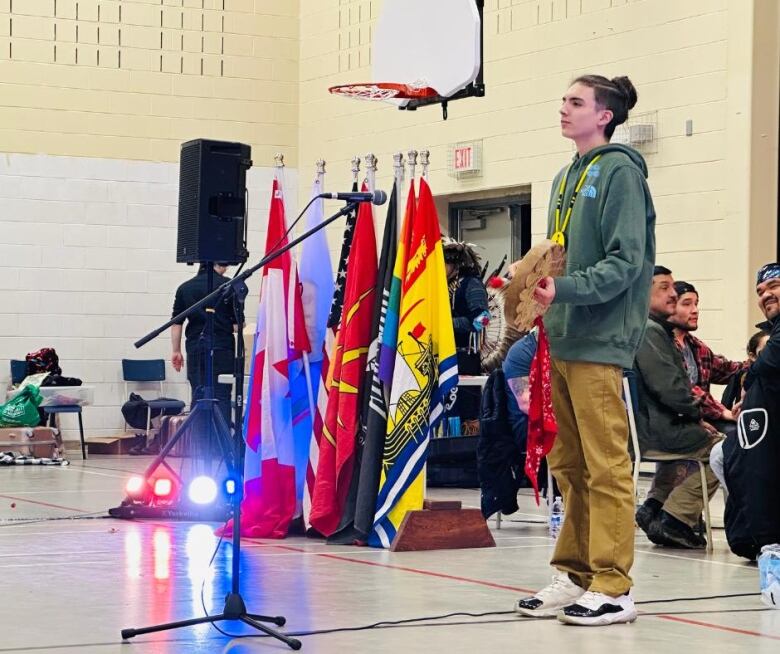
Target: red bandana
<point x="542" y="427"/>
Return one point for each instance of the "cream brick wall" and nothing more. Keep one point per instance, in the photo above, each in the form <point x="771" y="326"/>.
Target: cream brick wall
<point x="87" y="253"/>
<point x="88" y="266"/>
<point x="693" y="60"/>
<point x="132" y="79"/>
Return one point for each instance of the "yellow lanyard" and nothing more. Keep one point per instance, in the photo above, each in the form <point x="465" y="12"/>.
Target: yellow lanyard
<point x="559" y="236"/>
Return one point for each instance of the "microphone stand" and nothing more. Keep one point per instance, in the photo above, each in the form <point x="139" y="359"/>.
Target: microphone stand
<point x="235" y="608"/>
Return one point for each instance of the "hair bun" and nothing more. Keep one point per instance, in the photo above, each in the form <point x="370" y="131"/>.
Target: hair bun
<point x="627" y="89"/>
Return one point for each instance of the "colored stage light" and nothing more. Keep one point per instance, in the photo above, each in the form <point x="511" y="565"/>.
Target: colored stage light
<point x="203" y="490"/>
<point x="230" y="486"/>
<point x="163" y="487"/>
<point x="136" y="486"/>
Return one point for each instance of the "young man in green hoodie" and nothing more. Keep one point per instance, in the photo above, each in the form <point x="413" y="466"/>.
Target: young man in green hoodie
<point x="602" y="212"/>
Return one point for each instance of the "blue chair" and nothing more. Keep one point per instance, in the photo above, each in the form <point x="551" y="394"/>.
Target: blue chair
<point x="146" y="371"/>
<point x="19" y="372"/>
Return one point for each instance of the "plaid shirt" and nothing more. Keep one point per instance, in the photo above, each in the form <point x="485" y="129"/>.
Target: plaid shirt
<point x="713" y="369"/>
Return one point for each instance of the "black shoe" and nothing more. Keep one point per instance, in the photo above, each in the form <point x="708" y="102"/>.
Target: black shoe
<point x="646" y="513"/>
<point x="153" y="448"/>
<point x="669" y="531"/>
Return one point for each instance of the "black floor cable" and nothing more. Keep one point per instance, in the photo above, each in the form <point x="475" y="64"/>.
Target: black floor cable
<point x="18" y="522"/>
<point x="425" y="619"/>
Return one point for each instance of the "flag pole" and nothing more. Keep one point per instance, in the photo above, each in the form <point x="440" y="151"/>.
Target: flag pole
<point x="425" y="161"/>
<point x="371" y="168"/>
<point x="320" y="177"/>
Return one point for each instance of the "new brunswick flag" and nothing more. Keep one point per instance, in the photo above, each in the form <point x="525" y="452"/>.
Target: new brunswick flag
<point x="347" y="371"/>
<point x="424" y="375"/>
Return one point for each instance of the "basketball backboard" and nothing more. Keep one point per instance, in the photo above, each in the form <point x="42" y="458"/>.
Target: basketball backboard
<point x="424" y="52"/>
<point x="428" y="43"/>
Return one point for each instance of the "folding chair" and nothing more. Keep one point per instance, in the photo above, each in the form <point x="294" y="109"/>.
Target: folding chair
<point x="19" y="372"/>
<point x="145" y="371"/>
<point x="629" y="391"/>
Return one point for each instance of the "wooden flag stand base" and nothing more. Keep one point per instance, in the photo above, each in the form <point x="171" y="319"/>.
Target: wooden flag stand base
<point x="442" y="525"/>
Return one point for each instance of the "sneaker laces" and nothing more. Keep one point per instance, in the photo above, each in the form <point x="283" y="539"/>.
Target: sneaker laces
<point x="559" y="583"/>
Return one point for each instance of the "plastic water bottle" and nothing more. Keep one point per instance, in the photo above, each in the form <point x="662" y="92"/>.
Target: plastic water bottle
<point x="556" y="518"/>
<point x="769" y="572"/>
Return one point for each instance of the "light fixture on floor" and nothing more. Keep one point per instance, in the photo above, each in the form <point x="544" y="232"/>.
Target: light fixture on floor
<point x="202" y="490"/>
<point x="163" y="488"/>
<point x="137" y="488"/>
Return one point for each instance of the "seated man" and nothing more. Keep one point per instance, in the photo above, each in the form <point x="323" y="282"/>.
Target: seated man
<point x="703" y="366"/>
<point x="669" y="425"/>
<point x="752" y="459"/>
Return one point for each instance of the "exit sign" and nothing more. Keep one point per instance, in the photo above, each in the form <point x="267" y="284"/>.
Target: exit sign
<point x="465" y="159"/>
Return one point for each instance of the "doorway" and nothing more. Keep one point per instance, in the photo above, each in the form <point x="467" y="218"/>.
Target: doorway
<point x="499" y="227"/>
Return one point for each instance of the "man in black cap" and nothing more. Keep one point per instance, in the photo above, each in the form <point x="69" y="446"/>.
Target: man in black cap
<point x="752" y="458"/>
<point x="670" y="426"/>
<point x="703" y="366"/>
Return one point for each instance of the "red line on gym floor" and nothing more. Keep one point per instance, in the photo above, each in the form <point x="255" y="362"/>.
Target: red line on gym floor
<point x="427" y="573"/>
<point x="52" y="506"/>
<point x="720" y="627"/>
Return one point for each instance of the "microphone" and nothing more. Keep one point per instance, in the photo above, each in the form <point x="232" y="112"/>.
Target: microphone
<point x="377" y="197"/>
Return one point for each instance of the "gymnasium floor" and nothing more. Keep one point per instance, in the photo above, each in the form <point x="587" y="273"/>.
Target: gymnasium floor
<point x="72" y="585"/>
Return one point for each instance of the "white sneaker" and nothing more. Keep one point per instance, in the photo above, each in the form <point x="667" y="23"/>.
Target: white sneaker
<point x="551" y="599"/>
<point x="598" y="609"/>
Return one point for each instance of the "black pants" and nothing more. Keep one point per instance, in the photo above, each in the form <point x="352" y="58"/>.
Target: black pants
<point x="196" y="375"/>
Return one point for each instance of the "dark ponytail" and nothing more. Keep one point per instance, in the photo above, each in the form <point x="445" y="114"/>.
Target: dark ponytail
<point x="617" y="94"/>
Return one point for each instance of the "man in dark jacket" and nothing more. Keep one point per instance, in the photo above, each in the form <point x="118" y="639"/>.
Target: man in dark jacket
<point x="224" y="344"/>
<point x="669" y="426"/>
<point x="752" y="459"/>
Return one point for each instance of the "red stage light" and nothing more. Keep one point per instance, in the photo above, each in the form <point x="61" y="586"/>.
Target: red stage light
<point x="135" y="486"/>
<point x="163" y="487"/>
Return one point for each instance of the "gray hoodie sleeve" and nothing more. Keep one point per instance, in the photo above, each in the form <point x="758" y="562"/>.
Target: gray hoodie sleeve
<point x="623" y="237"/>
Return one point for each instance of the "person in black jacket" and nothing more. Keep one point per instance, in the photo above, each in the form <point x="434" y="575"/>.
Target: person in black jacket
<point x="470" y="314"/>
<point x="732" y="395"/>
<point x="669" y="425"/>
<point x="188" y="293"/>
<point x="752" y="459"/>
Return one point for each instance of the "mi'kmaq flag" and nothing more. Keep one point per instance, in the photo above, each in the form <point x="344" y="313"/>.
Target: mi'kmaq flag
<point x="425" y="372"/>
<point x="337" y="447"/>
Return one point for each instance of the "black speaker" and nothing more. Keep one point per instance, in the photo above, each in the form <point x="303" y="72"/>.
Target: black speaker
<point x="212" y="202"/>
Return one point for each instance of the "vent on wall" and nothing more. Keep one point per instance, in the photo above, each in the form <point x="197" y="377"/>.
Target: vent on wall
<point x="640" y="131"/>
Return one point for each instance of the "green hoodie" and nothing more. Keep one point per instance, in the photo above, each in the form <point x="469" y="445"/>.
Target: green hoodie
<point x="601" y="303"/>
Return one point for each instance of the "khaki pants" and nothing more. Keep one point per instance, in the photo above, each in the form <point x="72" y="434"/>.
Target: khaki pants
<point x="591" y="465"/>
<point x="678" y="486"/>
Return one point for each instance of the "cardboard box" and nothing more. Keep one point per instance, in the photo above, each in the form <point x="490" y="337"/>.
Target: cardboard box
<point x="32" y="441"/>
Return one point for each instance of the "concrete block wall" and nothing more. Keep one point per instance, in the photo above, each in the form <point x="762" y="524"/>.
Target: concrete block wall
<point x="132" y="79"/>
<point x="96" y="97"/>
<point x="88" y="266"/>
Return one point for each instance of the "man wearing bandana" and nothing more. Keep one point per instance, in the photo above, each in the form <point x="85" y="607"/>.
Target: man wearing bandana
<point x="752" y="458"/>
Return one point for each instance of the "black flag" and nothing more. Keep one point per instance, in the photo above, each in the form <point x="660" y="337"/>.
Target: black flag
<point x="358" y="517"/>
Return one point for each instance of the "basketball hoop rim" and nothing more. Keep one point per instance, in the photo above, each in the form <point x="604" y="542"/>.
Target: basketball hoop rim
<point x="380" y="91"/>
